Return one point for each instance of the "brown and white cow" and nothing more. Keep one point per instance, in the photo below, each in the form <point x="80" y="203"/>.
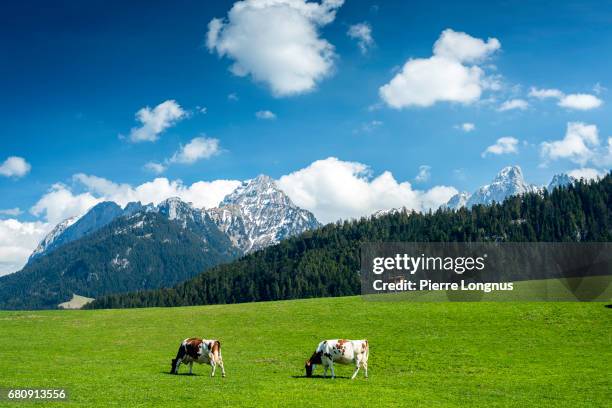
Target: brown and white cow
<point x="201" y="351"/>
<point x="339" y="351"/>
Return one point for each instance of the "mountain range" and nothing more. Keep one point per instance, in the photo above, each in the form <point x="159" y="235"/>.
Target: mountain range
<point x="507" y="183"/>
<point x="112" y="249"/>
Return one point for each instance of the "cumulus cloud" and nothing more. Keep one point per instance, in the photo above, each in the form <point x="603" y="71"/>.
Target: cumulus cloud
<point x="154" y="121"/>
<point x="463" y="47"/>
<point x="362" y="32"/>
<point x="467" y="127"/>
<point x="265" y="114"/>
<point x="17" y="241"/>
<point x="512" y="104"/>
<point x="424" y="174"/>
<point x="60" y="203"/>
<point x="276" y="42"/>
<point x="15" y="166"/>
<point x="203" y="194"/>
<point x="503" y="145"/>
<point x="334" y="189"/>
<point x="198" y="148"/>
<point x="586" y="173"/>
<point x="578" y="101"/>
<point x="447" y="76"/>
<point x="578" y="144"/>
<point x="581" y="144"/>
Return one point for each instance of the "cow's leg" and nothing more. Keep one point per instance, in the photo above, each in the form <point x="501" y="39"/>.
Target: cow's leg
<point x="365" y="367"/>
<point x="325" y="366"/>
<point x="331" y="365"/>
<point x="178" y="364"/>
<point x="213" y="366"/>
<point x="191" y="368"/>
<point x="222" y="367"/>
<point x="357" y="365"/>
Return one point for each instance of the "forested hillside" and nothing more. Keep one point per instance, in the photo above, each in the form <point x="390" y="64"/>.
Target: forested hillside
<point x="144" y="251"/>
<point x="325" y="262"/>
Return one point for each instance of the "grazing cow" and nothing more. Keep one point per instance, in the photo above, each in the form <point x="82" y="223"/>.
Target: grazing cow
<point x="342" y="352"/>
<point x="200" y="351"/>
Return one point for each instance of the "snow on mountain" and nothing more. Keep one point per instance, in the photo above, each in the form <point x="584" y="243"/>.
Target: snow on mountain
<point x="458" y="200"/>
<point x="258" y="214"/>
<point x="255" y="215"/>
<point x="508" y="182"/>
<point x="560" y="180"/>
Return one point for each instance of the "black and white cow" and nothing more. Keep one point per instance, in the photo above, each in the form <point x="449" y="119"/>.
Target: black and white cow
<point x="200" y="351"/>
<point x="342" y="352"/>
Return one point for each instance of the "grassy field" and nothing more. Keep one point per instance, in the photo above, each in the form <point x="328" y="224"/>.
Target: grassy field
<point x="422" y="354"/>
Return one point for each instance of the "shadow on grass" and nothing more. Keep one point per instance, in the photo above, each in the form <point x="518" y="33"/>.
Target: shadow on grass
<point x="609" y="306"/>
<point x="182" y="374"/>
<point x="320" y="377"/>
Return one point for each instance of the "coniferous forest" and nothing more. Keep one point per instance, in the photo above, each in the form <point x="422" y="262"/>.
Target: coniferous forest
<point x="325" y="262"/>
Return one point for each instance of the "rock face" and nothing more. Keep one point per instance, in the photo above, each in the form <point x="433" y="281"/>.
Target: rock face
<point x="508" y="182"/>
<point x="52" y="236"/>
<point x="258" y="214"/>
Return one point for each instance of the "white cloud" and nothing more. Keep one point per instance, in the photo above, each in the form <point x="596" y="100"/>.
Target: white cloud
<point x="580" y="102"/>
<point x="503" y="145"/>
<point x="202" y="193"/>
<point x="153" y="167"/>
<point x="265" y="114"/>
<point x="333" y="189"/>
<point x="17" y="241"/>
<point x="586" y="173"/>
<point x="444" y="77"/>
<point x="198" y="148"/>
<point x="362" y="32"/>
<point x="467" y="127"/>
<point x="60" y="203"/>
<point x="577" y="145"/>
<point x="424" y="174"/>
<point x="155" y="121"/>
<point x="463" y="47"/>
<point x="232" y="97"/>
<point x="13" y="212"/>
<point x="277" y="42"/>
<point x="545" y="93"/>
<point x="512" y="104"/>
<point x="15" y="166"/>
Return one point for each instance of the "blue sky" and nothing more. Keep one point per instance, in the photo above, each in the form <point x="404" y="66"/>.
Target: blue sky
<point x="74" y="74"/>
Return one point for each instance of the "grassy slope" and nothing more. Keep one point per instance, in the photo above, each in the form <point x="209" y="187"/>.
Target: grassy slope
<point x="422" y="354"/>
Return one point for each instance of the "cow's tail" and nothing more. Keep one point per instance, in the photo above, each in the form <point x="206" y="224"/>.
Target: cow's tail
<point x="217" y="345"/>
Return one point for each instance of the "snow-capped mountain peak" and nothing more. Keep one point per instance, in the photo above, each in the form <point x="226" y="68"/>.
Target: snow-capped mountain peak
<point x="258" y="214"/>
<point x="560" y="180"/>
<point x="508" y="182"/>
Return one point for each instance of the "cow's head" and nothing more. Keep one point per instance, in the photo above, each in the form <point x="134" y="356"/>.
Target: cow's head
<point x="173" y="369"/>
<point x="308" y="367"/>
<point x="310" y="363"/>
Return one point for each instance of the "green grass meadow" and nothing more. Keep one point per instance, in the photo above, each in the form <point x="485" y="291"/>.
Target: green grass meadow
<point x="422" y="354"/>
